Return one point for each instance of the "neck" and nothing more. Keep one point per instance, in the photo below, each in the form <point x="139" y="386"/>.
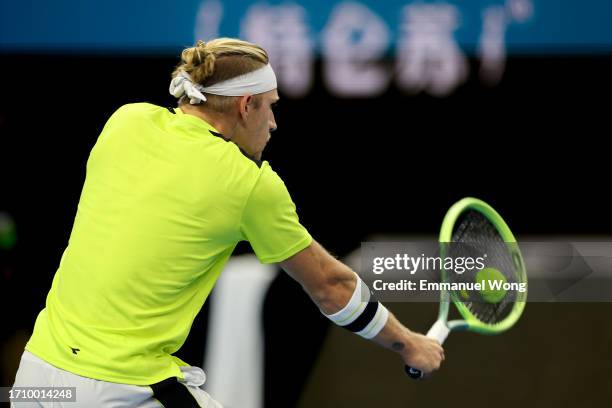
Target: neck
<point x="219" y="121"/>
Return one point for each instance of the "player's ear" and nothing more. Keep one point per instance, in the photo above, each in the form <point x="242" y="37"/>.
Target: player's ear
<point x="245" y="104"/>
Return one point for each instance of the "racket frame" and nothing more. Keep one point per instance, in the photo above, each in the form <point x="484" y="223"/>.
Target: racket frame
<point x="469" y="321"/>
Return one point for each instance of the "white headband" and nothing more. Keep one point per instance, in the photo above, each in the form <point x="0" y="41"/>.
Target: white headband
<point x="252" y="83"/>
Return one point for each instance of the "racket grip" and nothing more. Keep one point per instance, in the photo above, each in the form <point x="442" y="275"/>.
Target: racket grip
<point x="438" y="331"/>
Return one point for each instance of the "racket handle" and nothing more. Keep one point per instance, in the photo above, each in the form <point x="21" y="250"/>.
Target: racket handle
<point x="438" y="331"/>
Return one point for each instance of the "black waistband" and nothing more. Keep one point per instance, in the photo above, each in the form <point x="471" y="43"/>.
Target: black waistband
<point x="173" y="394"/>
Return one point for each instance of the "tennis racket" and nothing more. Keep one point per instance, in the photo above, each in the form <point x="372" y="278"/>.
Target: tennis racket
<point x="471" y="227"/>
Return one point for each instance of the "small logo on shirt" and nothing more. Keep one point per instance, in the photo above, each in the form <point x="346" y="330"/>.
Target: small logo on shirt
<point x="74" y="350"/>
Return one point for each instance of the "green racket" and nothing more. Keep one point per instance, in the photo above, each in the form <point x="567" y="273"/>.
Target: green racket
<point x="472" y="226"/>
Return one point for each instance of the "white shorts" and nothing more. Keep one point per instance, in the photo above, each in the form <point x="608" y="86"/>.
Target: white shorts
<point x="91" y="393"/>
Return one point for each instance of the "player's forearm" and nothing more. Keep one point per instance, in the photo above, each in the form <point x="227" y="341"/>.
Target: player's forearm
<point x="395" y="336"/>
<point x="333" y="287"/>
<point x="345" y="299"/>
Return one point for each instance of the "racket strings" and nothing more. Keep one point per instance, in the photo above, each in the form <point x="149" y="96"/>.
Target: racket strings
<point x="473" y="237"/>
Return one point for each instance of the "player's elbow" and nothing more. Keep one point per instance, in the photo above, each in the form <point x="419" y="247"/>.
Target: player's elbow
<point x="334" y="290"/>
<point x="328" y="282"/>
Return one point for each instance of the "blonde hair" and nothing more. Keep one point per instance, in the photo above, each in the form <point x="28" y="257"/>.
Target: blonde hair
<point x="218" y="60"/>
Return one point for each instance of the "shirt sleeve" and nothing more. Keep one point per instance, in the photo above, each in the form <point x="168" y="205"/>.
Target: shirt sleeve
<point x="270" y="222"/>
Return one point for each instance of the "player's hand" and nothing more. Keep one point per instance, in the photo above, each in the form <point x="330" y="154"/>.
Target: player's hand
<point x="422" y="353"/>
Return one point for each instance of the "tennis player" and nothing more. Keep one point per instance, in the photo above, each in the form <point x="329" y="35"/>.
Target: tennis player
<point x="169" y="192"/>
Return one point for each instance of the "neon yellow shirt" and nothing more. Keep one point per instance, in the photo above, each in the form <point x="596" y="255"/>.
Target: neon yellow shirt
<point x="165" y="201"/>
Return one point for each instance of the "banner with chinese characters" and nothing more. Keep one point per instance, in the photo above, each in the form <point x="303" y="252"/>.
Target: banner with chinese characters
<point x="364" y="46"/>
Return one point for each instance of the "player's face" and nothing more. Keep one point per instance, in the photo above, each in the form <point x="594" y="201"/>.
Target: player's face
<point x="261" y="122"/>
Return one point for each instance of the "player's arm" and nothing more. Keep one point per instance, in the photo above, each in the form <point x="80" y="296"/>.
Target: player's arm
<point x="339" y="294"/>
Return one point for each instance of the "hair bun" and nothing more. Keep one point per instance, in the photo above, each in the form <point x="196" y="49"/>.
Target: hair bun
<point x="198" y="61"/>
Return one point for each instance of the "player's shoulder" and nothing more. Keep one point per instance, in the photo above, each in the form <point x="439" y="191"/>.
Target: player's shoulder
<point x="138" y="115"/>
<point x="267" y="172"/>
<point x="138" y="110"/>
<point x="268" y="180"/>
<point x="242" y="163"/>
